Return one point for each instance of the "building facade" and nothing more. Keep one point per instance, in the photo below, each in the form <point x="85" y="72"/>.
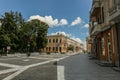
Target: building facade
<point x="60" y="43"/>
<point x="114" y="19"/>
<point x="104" y="30"/>
<point x="88" y="44"/>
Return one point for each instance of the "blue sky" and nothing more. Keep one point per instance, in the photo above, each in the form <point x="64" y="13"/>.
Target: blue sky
<point x="69" y="17"/>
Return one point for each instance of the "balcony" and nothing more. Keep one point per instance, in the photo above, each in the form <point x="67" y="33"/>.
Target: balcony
<point x="97" y="29"/>
<point x="95" y="8"/>
<point x="91" y="41"/>
<point x="114" y="13"/>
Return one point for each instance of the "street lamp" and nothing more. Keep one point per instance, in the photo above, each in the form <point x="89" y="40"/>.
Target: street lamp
<point x="28" y="54"/>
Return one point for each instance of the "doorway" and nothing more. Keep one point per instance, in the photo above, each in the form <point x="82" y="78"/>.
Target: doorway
<point x="118" y="43"/>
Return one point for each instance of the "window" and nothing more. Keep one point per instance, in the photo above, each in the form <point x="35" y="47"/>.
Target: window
<point x="49" y="40"/>
<point x="56" y="48"/>
<point x="46" y="48"/>
<point x="109" y="46"/>
<point x="53" y="40"/>
<point x="103" y="14"/>
<point x="56" y="40"/>
<point x="49" y="48"/>
<point x="60" y="49"/>
<point x="60" y="40"/>
<point x="103" y="48"/>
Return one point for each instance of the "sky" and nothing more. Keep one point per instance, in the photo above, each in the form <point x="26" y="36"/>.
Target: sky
<point x="68" y="17"/>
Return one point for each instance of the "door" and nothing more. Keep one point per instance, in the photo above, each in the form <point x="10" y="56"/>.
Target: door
<point x="118" y="42"/>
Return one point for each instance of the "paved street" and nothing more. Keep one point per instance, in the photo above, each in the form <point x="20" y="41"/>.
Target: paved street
<point x="35" y="67"/>
<point x="54" y="67"/>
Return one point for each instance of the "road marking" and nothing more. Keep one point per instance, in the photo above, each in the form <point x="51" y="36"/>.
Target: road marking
<point x="9" y="65"/>
<point x="26" y="60"/>
<point x="15" y="74"/>
<point x="41" y="58"/>
<point x="10" y="77"/>
<point x="60" y="73"/>
<point x="10" y="58"/>
<point x="8" y="71"/>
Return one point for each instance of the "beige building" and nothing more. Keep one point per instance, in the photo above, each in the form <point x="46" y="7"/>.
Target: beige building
<point x="60" y="43"/>
<point x="88" y="44"/>
<point x="77" y="47"/>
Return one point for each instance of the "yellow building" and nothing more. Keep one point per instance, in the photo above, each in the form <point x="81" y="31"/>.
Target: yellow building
<point x="88" y="44"/>
<point x="60" y="43"/>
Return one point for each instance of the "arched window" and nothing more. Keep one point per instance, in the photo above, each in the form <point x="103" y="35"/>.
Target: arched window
<point x="56" y="40"/>
<point x="49" y="40"/>
<point x="53" y="40"/>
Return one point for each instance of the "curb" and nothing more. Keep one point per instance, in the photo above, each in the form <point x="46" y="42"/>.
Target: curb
<point x="116" y="69"/>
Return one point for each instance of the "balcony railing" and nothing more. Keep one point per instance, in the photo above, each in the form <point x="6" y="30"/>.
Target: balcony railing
<point x="114" y="12"/>
<point x="95" y="6"/>
<point x="97" y="29"/>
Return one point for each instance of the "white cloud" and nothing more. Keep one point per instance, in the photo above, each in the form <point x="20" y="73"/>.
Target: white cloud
<point x="77" y="39"/>
<point x="61" y="33"/>
<point x="86" y="25"/>
<point x="76" y="22"/>
<point x="63" y="22"/>
<point x="49" y="20"/>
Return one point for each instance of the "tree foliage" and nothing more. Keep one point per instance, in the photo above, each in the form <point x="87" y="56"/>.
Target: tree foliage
<point x="10" y="23"/>
<point x="18" y="33"/>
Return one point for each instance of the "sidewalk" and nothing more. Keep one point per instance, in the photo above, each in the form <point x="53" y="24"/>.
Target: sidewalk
<point x="104" y="63"/>
<point x="80" y="67"/>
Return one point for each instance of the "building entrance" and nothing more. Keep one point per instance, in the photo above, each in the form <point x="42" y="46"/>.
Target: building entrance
<point x="118" y="43"/>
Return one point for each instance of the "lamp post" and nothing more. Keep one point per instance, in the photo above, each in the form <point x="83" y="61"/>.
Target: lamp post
<point x="28" y="53"/>
<point x="8" y="49"/>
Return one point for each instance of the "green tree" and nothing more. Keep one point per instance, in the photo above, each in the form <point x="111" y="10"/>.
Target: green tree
<point x="23" y="37"/>
<point x="38" y="34"/>
<point x="33" y="33"/>
<point x="10" y="24"/>
<point x="18" y="34"/>
<point x="42" y="35"/>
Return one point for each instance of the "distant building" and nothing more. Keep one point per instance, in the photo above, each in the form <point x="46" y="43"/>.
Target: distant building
<point x="88" y="44"/>
<point x="60" y="43"/>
